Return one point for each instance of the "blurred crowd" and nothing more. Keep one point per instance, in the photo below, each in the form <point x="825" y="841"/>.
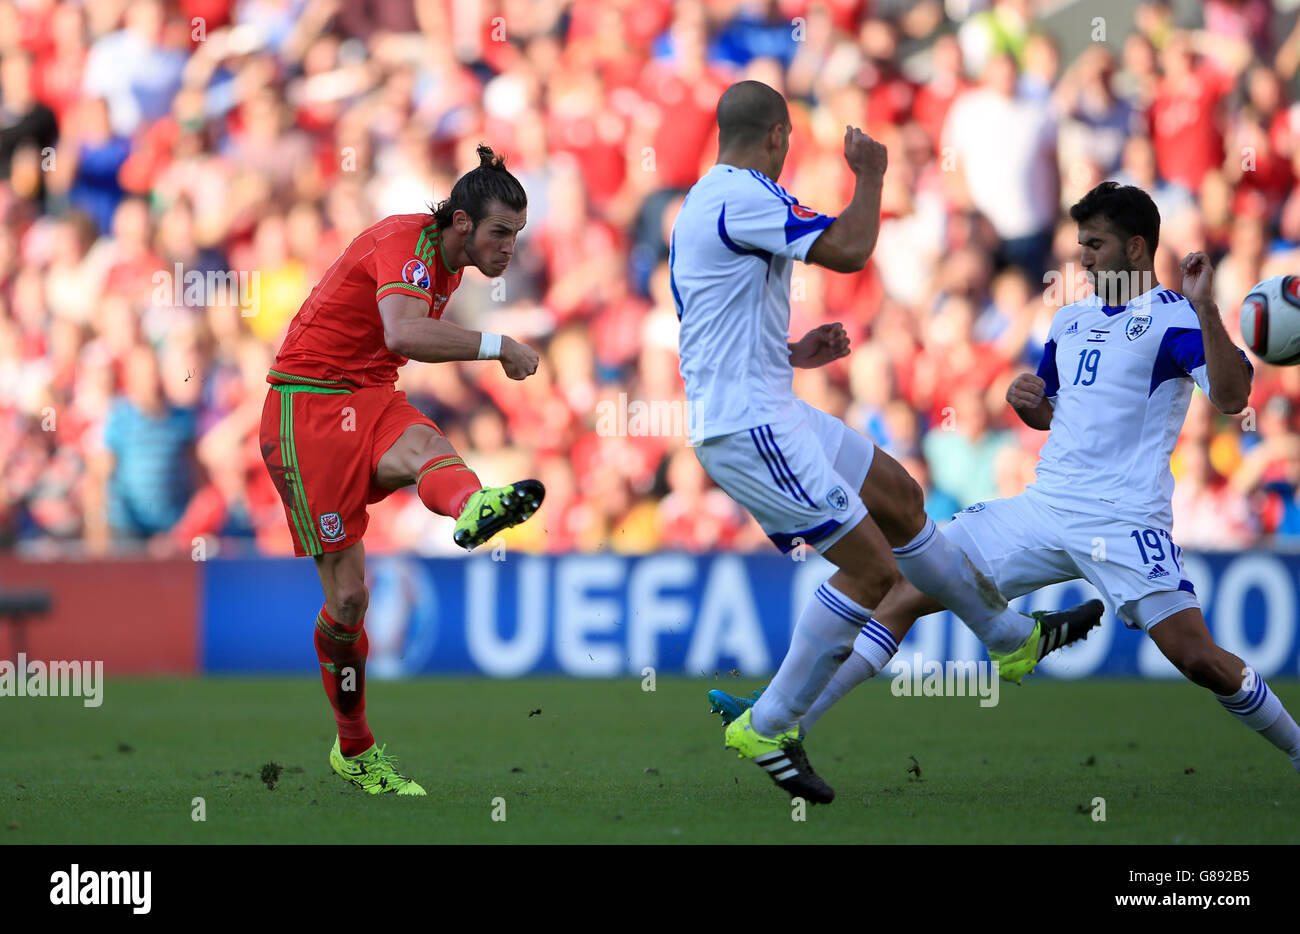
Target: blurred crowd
<point x="144" y="143"/>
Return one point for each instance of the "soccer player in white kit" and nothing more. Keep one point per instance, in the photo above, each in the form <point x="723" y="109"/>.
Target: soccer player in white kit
<point x="1113" y="388"/>
<point x="803" y="474"/>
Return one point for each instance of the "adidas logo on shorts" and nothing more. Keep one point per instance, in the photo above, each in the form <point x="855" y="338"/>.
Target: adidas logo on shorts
<point x="1156" y="572"/>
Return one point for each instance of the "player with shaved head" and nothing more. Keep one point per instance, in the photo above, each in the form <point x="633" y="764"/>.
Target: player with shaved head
<point x="747" y="111"/>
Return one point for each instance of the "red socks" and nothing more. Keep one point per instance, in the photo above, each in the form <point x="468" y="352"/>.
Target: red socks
<point x="342" y="652"/>
<point x="445" y="484"/>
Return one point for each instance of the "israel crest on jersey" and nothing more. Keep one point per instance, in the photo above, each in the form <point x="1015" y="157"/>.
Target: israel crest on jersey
<point x="416" y="273"/>
<point x="1137" y="326"/>
<point x="838" y="499"/>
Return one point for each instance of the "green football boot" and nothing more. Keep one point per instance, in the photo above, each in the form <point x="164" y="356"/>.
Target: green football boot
<point x="372" y="771"/>
<point x="1051" y="631"/>
<point x="781" y="757"/>
<point x="494" y="509"/>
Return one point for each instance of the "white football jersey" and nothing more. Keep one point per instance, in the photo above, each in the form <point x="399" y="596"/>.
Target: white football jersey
<point x="1119" y="380"/>
<point x="730" y="257"/>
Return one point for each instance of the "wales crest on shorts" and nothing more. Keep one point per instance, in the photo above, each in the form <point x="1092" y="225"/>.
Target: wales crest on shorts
<point x="331" y="527"/>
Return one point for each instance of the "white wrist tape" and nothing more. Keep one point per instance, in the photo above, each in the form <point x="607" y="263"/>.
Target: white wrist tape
<point x="489" y="347"/>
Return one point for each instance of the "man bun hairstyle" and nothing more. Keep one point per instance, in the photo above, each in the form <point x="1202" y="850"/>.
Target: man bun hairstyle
<point x="1128" y="209"/>
<point x="477" y="188"/>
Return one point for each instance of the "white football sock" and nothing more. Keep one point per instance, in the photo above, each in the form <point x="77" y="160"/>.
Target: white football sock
<point x="822" y="640"/>
<point x="1261" y="710"/>
<point x="872" y="650"/>
<point x="941" y="570"/>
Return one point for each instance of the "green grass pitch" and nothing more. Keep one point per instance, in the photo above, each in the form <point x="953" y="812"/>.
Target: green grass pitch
<point x="605" y="762"/>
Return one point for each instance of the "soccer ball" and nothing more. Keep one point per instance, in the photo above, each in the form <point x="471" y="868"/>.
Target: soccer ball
<point x="1270" y="320"/>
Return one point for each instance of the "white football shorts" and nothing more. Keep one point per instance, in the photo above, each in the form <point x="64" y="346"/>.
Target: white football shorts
<point x="1026" y="542"/>
<point x="799" y="476"/>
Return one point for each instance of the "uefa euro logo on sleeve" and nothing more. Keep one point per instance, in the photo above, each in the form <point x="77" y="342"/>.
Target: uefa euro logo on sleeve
<point x="331" y="527"/>
<point x="1137" y="326"/>
<point x="416" y="273"/>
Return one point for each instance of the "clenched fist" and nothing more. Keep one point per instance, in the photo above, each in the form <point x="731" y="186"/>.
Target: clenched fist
<point x="1026" y="393"/>
<point x="865" y="156"/>
<point x="1198" y="279"/>
<point x="518" y="360"/>
<point x="820" y="346"/>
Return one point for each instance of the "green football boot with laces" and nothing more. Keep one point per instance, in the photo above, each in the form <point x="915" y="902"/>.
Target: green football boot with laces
<point x="373" y="771"/>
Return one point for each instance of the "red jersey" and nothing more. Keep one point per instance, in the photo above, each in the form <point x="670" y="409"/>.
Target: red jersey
<point x="337" y="335"/>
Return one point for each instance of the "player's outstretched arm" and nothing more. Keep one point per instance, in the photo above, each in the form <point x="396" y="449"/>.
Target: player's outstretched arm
<point x="1226" y="367"/>
<point x="847" y="244"/>
<point x="409" y="331"/>
<point x="1027" y="396"/>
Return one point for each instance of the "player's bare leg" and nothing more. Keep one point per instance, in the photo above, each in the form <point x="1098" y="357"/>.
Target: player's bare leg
<point x="415" y="447"/>
<point x="1186" y="641"/>
<point x="447" y="486"/>
<point x="343" y="581"/>
<point x="894" y="500"/>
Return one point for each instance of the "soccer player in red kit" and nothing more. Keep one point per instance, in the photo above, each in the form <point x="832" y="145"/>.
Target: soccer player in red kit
<point x="336" y="434"/>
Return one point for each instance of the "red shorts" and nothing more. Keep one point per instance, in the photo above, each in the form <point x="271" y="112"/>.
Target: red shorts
<point x="322" y="447"/>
